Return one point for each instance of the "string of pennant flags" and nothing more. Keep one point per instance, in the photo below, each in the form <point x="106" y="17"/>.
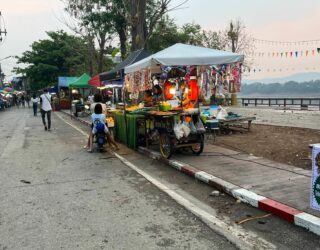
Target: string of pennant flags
<point x="259" y="70"/>
<point x="287" y="54"/>
<point x="283" y="50"/>
<point x="286" y="43"/>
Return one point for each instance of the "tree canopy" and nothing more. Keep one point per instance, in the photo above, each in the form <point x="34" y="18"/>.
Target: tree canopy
<point x="60" y="54"/>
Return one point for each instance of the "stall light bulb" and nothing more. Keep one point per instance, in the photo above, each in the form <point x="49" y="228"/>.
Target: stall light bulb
<point x="172" y="91"/>
<point x="186" y="90"/>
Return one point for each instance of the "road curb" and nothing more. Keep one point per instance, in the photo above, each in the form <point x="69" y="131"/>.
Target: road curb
<point x="290" y="214"/>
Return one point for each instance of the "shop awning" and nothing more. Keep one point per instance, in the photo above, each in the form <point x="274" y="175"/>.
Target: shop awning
<point x="81" y="82"/>
<point x="117" y="73"/>
<point x="183" y="54"/>
<point x="64" y="81"/>
<point x="113" y="84"/>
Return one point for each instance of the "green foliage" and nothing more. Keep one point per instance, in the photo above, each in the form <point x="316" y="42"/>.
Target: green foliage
<point x="167" y="33"/>
<point x="59" y="55"/>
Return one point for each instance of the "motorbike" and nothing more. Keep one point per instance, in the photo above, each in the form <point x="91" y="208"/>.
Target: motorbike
<point x="100" y="137"/>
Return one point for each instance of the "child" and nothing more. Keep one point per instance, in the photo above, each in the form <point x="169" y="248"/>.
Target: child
<point x="98" y="117"/>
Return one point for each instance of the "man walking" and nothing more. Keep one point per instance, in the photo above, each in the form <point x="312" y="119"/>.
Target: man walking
<point x="46" y="108"/>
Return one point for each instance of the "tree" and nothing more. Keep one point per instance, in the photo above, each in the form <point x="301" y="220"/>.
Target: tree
<point x="96" y="20"/>
<point x="238" y="40"/>
<point x="60" y="55"/>
<point x="192" y="33"/>
<point x="144" y="17"/>
<point x="213" y="39"/>
<point x="166" y="33"/>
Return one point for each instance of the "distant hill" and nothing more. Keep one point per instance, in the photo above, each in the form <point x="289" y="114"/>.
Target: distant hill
<point x="288" y="89"/>
<point x="300" y="77"/>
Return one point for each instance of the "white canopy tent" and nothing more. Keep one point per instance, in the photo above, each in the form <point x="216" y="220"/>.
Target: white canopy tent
<point x="183" y="54"/>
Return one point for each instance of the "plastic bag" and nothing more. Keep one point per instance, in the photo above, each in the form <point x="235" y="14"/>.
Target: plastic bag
<point x="192" y="128"/>
<point x="199" y="126"/>
<point x="222" y="113"/>
<point x="185" y="128"/>
<point x="178" y="130"/>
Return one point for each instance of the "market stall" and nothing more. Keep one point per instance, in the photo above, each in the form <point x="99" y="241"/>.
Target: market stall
<point x="113" y="79"/>
<point x="63" y="90"/>
<point x="168" y="89"/>
<point x="81" y="83"/>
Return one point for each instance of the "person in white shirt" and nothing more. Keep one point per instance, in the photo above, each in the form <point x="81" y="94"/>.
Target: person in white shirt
<point x="35" y="100"/>
<point x="46" y="108"/>
<point x="97" y="98"/>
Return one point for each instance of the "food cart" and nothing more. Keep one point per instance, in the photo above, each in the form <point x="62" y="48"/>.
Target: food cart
<point x="179" y="71"/>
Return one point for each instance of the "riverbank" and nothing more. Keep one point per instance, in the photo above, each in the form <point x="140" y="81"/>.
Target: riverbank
<point x="280" y="135"/>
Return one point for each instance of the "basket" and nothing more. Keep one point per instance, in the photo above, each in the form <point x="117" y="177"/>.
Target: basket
<point x="212" y="124"/>
<point x="164" y="107"/>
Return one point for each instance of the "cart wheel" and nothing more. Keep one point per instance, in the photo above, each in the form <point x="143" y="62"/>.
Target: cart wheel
<point x="166" y="147"/>
<point x="197" y="148"/>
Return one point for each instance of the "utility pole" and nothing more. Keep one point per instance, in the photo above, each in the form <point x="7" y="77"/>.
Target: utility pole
<point x="2" y="29"/>
<point x="2" y="75"/>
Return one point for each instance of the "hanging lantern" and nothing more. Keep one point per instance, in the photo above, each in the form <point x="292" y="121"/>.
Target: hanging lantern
<point x="168" y="93"/>
<point x="193" y="92"/>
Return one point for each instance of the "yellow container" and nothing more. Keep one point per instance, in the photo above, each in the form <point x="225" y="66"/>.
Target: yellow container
<point x="234" y="100"/>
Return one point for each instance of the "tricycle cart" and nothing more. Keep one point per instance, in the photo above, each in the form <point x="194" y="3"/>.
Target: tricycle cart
<point x="168" y="143"/>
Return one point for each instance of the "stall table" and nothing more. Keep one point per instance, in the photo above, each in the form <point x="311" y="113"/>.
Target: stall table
<point x="238" y="123"/>
<point x="129" y="134"/>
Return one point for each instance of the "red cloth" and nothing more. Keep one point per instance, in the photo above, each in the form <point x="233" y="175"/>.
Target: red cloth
<point x="194" y="90"/>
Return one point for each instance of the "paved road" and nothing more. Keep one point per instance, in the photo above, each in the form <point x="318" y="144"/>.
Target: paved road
<point x="54" y="195"/>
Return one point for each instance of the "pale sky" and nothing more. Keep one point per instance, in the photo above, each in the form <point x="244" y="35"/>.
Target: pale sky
<point x="280" y="20"/>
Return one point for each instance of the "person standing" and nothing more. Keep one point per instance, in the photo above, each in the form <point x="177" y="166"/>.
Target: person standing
<point x="23" y="101"/>
<point x="28" y="100"/>
<point x="35" y="101"/>
<point x="46" y="108"/>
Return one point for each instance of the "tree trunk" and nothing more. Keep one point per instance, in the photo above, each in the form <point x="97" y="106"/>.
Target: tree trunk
<point x="123" y="41"/>
<point x="90" y="52"/>
<point x="138" y="10"/>
<point x="102" y="44"/>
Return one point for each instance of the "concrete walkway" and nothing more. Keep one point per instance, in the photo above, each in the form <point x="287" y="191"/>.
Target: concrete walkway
<point x="283" y="183"/>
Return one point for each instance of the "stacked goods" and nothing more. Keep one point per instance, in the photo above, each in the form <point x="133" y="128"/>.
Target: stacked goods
<point x="110" y="122"/>
<point x="164" y="106"/>
<point x="132" y="108"/>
